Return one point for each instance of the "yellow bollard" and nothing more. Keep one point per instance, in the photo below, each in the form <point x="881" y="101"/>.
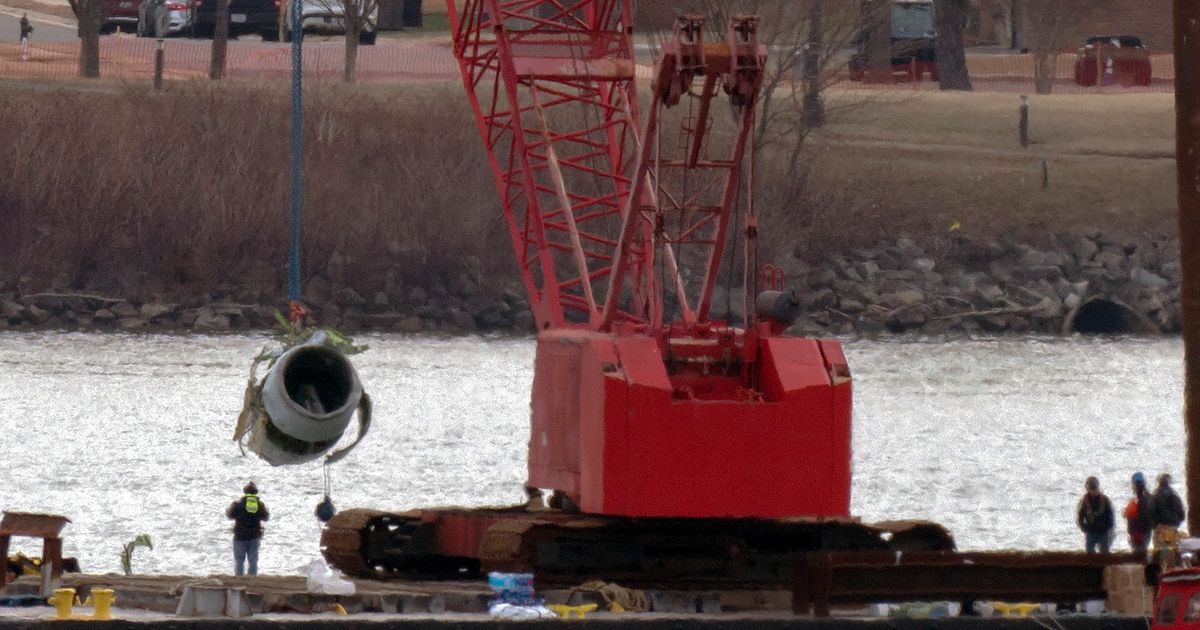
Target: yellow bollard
<point x="62" y="600"/>
<point x="102" y="599"/>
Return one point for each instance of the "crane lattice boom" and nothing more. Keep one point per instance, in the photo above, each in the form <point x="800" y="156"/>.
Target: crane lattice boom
<point x="597" y="210"/>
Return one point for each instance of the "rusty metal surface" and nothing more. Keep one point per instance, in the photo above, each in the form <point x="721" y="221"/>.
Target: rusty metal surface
<point x="911" y="535"/>
<point x="342" y="541"/>
<point x="35" y="525"/>
<point x="825" y="579"/>
<point x="564" y="548"/>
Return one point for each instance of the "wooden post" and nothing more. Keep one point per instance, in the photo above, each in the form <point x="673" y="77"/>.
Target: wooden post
<point x="4" y="560"/>
<point x="1023" y="125"/>
<point x="52" y="552"/>
<point x="1187" y="160"/>
<point x="158" y="65"/>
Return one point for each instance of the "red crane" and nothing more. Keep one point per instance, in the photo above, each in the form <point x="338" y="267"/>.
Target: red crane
<point x="643" y="405"/>
<point x="708" y="435"/>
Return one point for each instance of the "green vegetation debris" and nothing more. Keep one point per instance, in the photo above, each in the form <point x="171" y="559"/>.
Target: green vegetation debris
<point x="142" y="540"/>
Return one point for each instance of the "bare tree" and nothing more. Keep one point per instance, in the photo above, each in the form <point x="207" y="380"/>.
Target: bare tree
<point x="216" y="68"/>
<point x="805" y="39"/>
<point x="359" y="17"/>
<point x="874" y="40"/>
<point x="951" y="19"/>
<point x="807" y="42"/>
<point x="1045" y="25"/>
<point x="90" y="16"/>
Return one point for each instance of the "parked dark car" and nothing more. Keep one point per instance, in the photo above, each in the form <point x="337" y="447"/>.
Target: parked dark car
<point x="245" y="16"/>
<point x="914" y="43"/>
<point x="1113" y="60"/>
<point x="120" y="15"/>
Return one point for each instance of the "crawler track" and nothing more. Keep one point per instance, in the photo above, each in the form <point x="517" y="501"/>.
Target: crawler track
<point x="566" y="549"/>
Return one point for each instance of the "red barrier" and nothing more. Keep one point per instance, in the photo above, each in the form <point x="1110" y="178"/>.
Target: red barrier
<point x="1004" y="72"/>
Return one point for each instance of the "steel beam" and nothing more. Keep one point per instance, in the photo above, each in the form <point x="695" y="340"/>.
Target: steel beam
<point x="825" y="579"/>
<point x="1187" y="156"/>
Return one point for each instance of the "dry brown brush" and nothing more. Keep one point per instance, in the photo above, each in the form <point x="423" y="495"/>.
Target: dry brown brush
<point x="184" y="195"/>
<point x="187" y="193"/>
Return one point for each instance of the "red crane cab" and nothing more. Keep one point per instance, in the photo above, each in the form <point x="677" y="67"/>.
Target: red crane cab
<point x="1177" y="606"/>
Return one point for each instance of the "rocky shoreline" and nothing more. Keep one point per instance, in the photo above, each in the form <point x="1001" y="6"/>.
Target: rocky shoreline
<point x="1075" y="282"/>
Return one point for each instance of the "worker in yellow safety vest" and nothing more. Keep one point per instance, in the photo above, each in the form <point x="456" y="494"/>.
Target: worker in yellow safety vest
<point x="247" y="514"/>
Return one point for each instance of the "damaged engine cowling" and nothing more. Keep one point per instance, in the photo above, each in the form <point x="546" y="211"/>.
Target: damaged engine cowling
<point x="307" y="400"/>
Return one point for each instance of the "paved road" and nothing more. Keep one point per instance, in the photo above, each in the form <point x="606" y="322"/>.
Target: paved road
<point x="43" y="32"/>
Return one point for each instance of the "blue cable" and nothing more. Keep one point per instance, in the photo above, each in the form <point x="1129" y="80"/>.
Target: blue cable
<point x="297" y="29"/>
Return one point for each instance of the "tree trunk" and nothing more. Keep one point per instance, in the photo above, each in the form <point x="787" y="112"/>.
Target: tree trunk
<point x="216" y="68"/>
<point x="950" y="18"/>
<point x="1187" y="150"/>
<point x="1045" y="64"/>
<point x="877" y="29"/>
<point x="90" y="14"/>
<point x="353" y="18"/>
<point x="285" y="12"/>
<point x="814" y="105"/>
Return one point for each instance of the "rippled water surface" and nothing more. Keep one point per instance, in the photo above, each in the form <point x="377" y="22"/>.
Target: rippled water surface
<point x="132" y="434"/>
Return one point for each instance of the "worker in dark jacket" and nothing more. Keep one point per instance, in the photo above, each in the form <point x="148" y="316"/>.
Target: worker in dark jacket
<point x="1140" y="515"/>
<point x="1168" y="507"/>
<point x="1095" y="518"/>
<point x="1168" y="516"/>
<point x="26" y="33"/>
<point x="247" y="513"/>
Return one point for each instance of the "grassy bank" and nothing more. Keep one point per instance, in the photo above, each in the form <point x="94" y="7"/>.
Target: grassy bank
<point x="185" y="193"/>
<point x="926" y="164"/>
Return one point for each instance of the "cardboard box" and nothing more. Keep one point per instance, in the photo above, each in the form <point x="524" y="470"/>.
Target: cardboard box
<point x="1135" y="601"/>
<point x="1121" y="577"/>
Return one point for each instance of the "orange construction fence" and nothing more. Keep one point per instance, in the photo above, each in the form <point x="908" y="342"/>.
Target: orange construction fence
<point x="132" y="58"/>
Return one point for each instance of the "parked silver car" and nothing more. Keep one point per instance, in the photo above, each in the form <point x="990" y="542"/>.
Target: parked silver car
<point x="328" y="16"/>
<point x="160" y="18"/>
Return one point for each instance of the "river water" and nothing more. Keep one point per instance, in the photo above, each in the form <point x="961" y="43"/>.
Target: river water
<point x="132" y="434"/>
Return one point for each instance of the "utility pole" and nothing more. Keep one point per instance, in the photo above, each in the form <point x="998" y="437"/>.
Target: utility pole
<point x="1187" y="159"/>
